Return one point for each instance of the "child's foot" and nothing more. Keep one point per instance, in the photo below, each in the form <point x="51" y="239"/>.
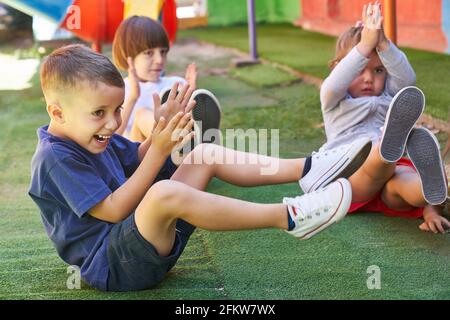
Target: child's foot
<point x="206" y="114"/>
<point x="404" y="111"/>
<point x="340" y="162"/>
<point x="423" y="150"/>
<point x="164" y="94"/>
<point x="313" y="212"/>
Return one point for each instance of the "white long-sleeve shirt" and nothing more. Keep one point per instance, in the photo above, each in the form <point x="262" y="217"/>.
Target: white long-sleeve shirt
<point x="347" y="118"/>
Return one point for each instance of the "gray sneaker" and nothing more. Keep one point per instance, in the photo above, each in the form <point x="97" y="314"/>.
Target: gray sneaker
<point x="206" y="114"/>
<point x="164" y="94"/>
<point x="423" y="150"/>
<point x="405" y="109"/>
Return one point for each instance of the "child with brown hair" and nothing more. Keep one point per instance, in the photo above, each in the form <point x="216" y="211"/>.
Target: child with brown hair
<point x="141" y="46"/>
<point x="122" y="212"/>
<point x="371" y="87"/>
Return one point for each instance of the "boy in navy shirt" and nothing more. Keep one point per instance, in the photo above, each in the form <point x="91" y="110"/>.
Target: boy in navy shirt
<point x="100" y="195"/>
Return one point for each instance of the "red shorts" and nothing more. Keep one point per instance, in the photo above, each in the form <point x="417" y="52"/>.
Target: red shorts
<point x="377" y="205"/>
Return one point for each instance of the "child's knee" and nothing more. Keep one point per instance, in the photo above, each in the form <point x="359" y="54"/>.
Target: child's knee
<point x="161" y="192"/>
<point x="165" y="196"/>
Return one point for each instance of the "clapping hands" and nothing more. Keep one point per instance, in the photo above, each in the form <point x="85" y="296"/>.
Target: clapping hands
<point x="178" y="101"/>
<point x="372" y="35"/>
<point x="174" y="123"/>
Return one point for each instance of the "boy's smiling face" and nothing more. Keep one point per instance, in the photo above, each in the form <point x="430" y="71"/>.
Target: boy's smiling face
<point x="89" y="115"/>
<point x="370" y="82"/>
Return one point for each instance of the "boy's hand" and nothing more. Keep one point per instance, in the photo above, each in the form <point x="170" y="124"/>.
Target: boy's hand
<point x="176" y="102"/>
<point x="175" y="133"/>
<point x="370" y="35"/>
<point x="135" y="90"/>
<point x="191" y="75"/>
<point x="434" y="222"/>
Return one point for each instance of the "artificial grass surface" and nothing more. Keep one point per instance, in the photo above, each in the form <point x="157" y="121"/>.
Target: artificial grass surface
<point x="310" y="52"/>
<point x="263" y="264"/>
<point x="256" y="75"/>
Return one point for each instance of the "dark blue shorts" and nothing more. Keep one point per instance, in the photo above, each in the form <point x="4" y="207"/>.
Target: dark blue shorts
<point x="134" y="264"/>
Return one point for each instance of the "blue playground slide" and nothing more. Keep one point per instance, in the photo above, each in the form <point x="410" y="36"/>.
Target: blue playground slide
<point x="55" y="11"/>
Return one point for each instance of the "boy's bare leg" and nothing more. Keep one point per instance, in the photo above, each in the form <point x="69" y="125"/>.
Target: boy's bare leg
<point x="182" y="197"/>
<point x="239" y="168"/>
<point x="168" y="200"/>
<point x="371" y="177"/>
<point x="142" y="125"/>
<point x="403" y="191"/>
<point x="179" y="198"/>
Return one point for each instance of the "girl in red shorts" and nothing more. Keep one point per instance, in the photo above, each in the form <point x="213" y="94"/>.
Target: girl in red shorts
<point x="371" y="86"/>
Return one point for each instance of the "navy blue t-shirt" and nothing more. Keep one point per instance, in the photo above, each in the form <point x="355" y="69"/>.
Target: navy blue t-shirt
<point x="66" y="182"/>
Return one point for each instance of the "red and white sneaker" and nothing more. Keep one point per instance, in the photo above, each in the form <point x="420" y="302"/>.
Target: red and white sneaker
<point x="315" y="211"/>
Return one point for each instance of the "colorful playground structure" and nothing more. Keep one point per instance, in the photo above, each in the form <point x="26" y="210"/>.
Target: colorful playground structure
<point x="421" y="24"/>
<point x="96" y="21"/>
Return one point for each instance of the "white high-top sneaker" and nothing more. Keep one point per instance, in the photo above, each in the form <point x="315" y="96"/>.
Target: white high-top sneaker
<point x="315" y="211"/>
<point x="340" y="162"/>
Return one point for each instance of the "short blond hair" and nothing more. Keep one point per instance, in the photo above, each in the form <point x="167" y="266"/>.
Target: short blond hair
<point x="345" y="43"/>
<point x="65" y="68"/>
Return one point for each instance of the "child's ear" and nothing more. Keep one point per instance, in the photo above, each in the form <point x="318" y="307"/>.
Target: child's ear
<point x="55" y="113"/>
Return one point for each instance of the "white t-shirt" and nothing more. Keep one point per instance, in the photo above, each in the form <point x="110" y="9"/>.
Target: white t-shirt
<point x="147" y="89"/>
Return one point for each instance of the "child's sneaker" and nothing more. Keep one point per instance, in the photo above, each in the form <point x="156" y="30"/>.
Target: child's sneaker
<point x="206" y="114"/>
<point x="313" y="212"/>
<point x="340" y="162"/>
<point x="405" y="109"/>
<point x="423" y="150"/>
<point x="164" y="94"/>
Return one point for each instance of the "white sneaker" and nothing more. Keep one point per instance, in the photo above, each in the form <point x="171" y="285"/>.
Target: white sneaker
<point x="340" y="162"/>
<point x="315" y="211"/>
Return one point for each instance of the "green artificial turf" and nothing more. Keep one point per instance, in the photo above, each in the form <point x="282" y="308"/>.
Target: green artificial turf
<point x="256" y="75"/>
<point x="310" y="52"/>
<point x="258" y="264"/>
